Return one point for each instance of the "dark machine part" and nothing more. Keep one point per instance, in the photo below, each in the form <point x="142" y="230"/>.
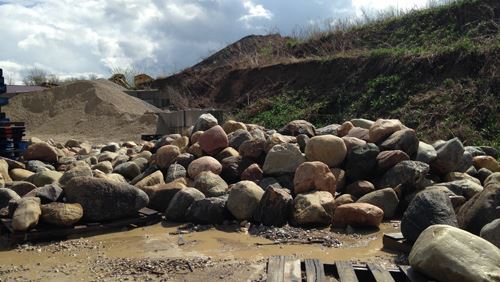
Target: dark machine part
<point x="3" y="87"/>
<point x="12" y="144"/>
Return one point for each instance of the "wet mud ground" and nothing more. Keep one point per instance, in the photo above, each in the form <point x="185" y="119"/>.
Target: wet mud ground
<point x="164" y="252"/>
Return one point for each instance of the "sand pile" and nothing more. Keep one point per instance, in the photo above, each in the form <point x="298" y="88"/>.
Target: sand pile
<point x="92" y="110"/>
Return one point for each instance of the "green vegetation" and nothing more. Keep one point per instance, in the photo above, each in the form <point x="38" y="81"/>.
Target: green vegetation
<point x="435" y="69"/>
<point x="277" y="111"/>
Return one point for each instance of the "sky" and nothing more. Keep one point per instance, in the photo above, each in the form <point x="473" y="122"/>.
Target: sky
<point x="158" y="37"/>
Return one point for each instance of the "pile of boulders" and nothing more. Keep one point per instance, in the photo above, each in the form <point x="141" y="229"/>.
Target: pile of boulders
<point x="352" y="174"/>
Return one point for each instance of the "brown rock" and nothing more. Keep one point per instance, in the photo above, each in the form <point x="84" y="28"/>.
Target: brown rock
<point x="41" y="151"/>
<point x="357" y="214"/>
<point x="350" y="142"/>
<point x="62" y="214"/>
<point x="196" y="150"/>
<point x="151" y="180"/>
<point x="344" y="129"/>
<point x="328" y="149"/>
<point x="274" y="207"/>
<point x="204" y="164"/>
<point x="344" y="199"/>
<point x="160" y="195"/>
<point x="487" y="162"/>
<point x="340" y="177"/>
<point x="311" y="176"/>
<point x="405" y="140"/>
<point x="252" y="173"/>
<point x="165" y="156"/>
<point x="360" y="188"/>
<point x="196" y="136"/>
<point x="360" y="133"/>
<point x="19" y="174"/>
<point x="226" y="153"/>
<point x="213" y="140"/>
<point x="231" y="126"/>
<point x="388" y="159"/>
<point x="383" y="128"/>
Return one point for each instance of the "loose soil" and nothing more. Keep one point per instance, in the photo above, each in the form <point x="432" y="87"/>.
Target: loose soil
<point x="88" y="110"/>
<point x="164" y="252"/>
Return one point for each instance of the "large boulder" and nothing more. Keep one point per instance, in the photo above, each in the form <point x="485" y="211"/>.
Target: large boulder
<point x="405" y="140"/>
<point x="210" y="184"/>
<point x="383" y="128"/>
<point x="447" y="253"/>
<point x="103" y="199"/>
<point x="361" y="162"/>
<point x="181" y="202"/>
<point x="282" y="159"/>
<point x="386" y="199"/>
<point x="428" y="207"/>
<point x="328" y="130"/>
<point x="205" y="163"/>
<point x="213" y="140"/>
<point x="274" y="207"/>
<point x="209" y="211"/>
<point x="252" y="148"/>
<point x="449" y="156"/>
<point x="77" y="171"/>
<point x="297" y="127"/>
<point x="244" y="198"/>
<point x="357" y="214"/>
<point x="314" y="176"/>
<point x="205" y="122"/>
<point x="314" y="208"/>
<point x="408" y="173"/>
<point x="26" y="214"/>
<point x="363" y="123"/>
<point x="6" y="195"/>
<point x="328" y="149"/>
<point x="41" y="151"/>
<point x="62" y="214"/>
<point x="481" y="209"/>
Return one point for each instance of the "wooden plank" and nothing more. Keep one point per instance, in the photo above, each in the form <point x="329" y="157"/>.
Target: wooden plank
<point x="292" y="270"/>
<point x="275" y="269"/>
<point x="345" y="271"/>
<point x="379" y="273"/>
<point x="314" y="270"/>
<point x="411" y="274"/>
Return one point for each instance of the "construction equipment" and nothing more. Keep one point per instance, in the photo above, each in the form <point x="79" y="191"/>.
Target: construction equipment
<point x="12" y="144"/>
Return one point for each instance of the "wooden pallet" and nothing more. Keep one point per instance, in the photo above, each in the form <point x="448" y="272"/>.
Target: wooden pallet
<point x="284" y="268"/>
<point x="45" y="232"/>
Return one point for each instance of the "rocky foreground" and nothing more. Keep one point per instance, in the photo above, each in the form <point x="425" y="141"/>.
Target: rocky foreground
<point x="354" y="174"/>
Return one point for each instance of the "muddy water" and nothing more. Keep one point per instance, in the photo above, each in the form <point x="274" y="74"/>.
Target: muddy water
<point x="156" y="241"/>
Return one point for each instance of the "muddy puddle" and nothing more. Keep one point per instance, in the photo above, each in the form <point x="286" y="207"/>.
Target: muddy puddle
<point x="81" y="258"/>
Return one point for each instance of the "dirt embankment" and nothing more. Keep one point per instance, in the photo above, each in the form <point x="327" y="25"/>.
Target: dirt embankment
<point x="91" y="110"/>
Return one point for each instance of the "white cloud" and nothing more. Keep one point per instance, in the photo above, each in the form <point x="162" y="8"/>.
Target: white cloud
<point x="255" y="11"/>
<point x="157" y="36"/>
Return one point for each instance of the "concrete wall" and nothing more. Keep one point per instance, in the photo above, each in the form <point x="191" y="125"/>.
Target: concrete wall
<point x="177" y="122"/>
<point x="153" y="97"/>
